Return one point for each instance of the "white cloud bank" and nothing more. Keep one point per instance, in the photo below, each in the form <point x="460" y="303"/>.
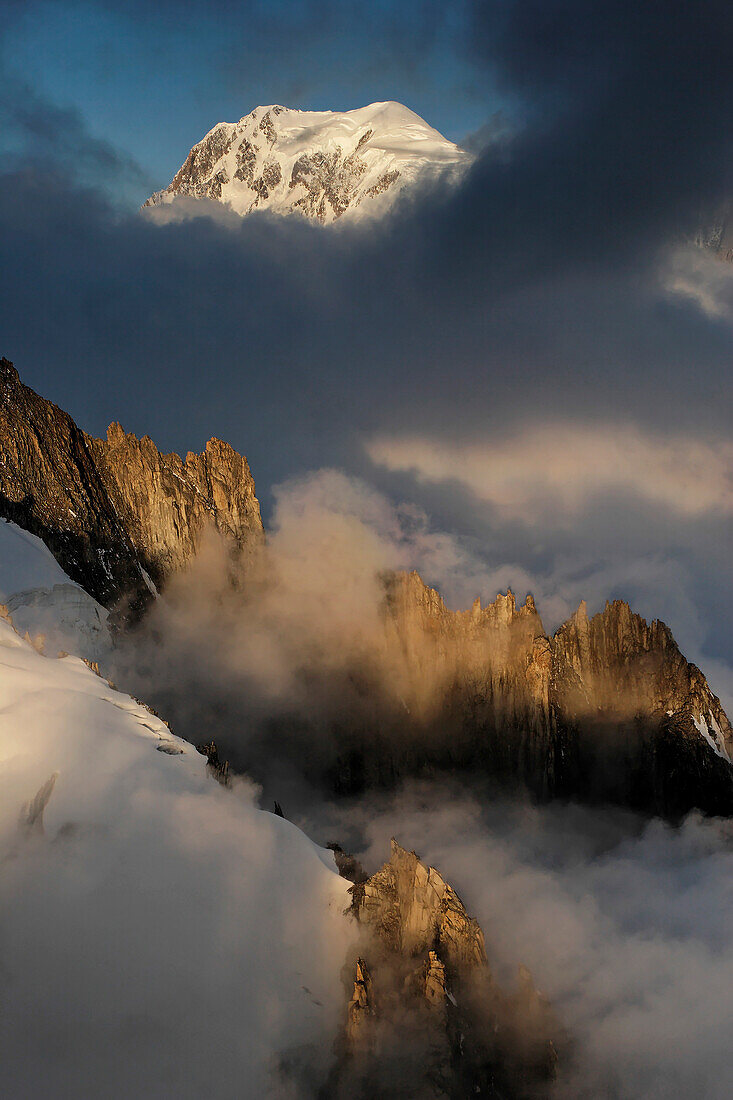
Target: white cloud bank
<point x="561" y="467"/>
<point x="159" y="936"/>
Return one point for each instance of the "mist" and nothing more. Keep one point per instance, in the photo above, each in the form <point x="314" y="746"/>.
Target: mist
<point x="282" y="657"/>
<point x="624" y="924"/>
<point x="622" y="921"/>
<point x="160" y="934"/>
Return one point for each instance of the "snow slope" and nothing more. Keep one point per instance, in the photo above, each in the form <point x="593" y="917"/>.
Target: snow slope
<point x="45" y="602"/>
<point x="159" y="935"/>
<point x="322" y="164"/>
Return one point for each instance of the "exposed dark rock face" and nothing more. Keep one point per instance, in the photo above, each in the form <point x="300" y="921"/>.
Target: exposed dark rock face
<point x="217" y="768"/>
<point x="425" y="1017"/>
<point x="118" y="516"/>
<point x="200" y="162"/>
<point x="606" y="710"/>
<point x="348" y="866"/>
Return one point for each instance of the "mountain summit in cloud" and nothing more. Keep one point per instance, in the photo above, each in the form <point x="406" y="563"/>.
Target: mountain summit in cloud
<point x="322" y="164"/>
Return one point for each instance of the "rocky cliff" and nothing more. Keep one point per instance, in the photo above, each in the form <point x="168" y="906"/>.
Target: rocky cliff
<point x="606" y="709"/>
<point x="166" y="502"/>
<point x="425" y="1017"/>
<point x="118" y="516"/>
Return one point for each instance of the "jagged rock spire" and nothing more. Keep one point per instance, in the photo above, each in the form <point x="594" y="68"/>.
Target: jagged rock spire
<point x="425" y="1017"/>
<point x="118" y="515"/>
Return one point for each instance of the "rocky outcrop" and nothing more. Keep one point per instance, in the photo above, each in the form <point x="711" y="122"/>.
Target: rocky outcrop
<point x="166" y="502"/>
<point x="118" y="516"/>
<point x="413" y="910"/>
<point x="607" y="709"/>
<point x="360" y="1009"/>
<point x="645" y="727"/>
<point x="425" y="1017"/>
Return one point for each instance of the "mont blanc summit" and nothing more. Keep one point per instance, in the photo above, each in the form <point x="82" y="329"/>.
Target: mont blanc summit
<point x="323" y="164"/>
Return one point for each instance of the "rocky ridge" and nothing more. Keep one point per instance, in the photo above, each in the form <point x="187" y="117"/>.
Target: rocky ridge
<point x="425" y="1017"/>
<point x="323" y="165"/>
<point x="118" y="515"/>
<point x="607" y="708"/>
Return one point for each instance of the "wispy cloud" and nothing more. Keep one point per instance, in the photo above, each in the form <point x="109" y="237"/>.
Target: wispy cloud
<point x="563" y="466"/>
<point x="703" y="278"/>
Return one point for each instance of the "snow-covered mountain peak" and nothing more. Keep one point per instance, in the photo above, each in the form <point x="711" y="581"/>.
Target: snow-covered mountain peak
<point x="321" y="164"/>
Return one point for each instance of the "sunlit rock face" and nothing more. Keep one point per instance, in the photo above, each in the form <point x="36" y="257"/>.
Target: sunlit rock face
<point x="167" y="501"/>
<point x="413" y="910"/>
<point x="324" y="165"/>
<point x="117" y="515"/>
<point x="425" y="1017"/>
<point x="606" y="709"/>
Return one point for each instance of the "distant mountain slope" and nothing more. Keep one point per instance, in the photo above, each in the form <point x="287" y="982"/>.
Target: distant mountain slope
<point x="116" y="514"/>
<point x="322" y="164"/>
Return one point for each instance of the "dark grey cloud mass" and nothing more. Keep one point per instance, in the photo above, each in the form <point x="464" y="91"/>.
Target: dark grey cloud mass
<point x="546" y="292"/>
<point x="45" y="136"/>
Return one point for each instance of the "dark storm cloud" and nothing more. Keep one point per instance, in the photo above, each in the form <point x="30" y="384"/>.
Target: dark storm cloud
<point x="536" y="265"/>
<point x="627" y="130"/>
<point x="52" y="138"/>
<point x="529" y="294"/>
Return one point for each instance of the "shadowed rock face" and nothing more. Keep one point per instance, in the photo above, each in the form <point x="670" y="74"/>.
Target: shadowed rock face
<point x="606" y="709"/>
<point x="425" y="1017"/>
<point x="118" y="516"/>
